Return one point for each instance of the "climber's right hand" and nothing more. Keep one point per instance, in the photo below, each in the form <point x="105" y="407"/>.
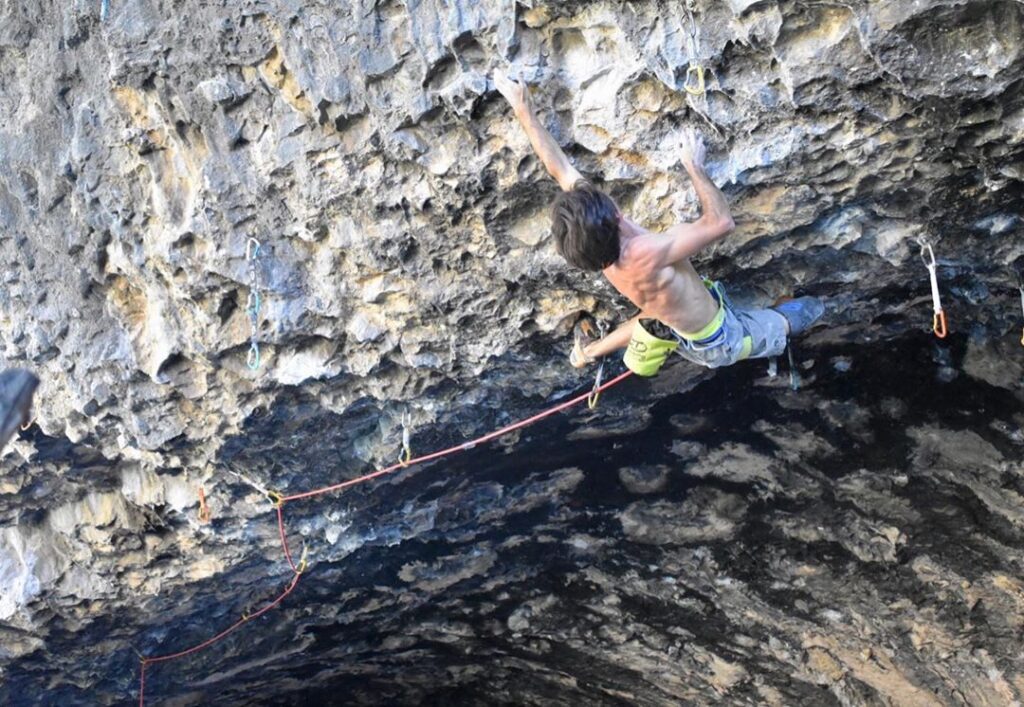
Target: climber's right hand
<point x="693" y="149"/>
<point x="515" y="91"/>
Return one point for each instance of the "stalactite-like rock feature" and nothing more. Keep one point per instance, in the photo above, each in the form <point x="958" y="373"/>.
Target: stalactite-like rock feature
<point x="857" y="542"/>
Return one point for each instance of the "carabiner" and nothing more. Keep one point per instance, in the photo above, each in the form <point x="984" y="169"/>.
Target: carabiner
<point x="406" y="456"/>
<point x="253" y="359"/>
<point x="252" y="249"/>
<point x="1021" y="288"/>
<point x="302" y="560"/>
<point x="929" y="262"/>
<point x="252" y="305"/>
<point x="698" y="89"/>
<point x="939" y="324"/>
<point x="204" y="510"/>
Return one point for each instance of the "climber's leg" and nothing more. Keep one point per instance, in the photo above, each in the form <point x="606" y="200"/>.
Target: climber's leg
<point x="767" y="330"/>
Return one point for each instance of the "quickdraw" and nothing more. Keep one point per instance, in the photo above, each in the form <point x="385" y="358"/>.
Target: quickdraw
<point x="694" y="82"/>
<point x="302" y="566"/>
<point x="104" y="10"/>
<point x="406" y="439"/>
<point x="939" y="318"/>
<point x="204" y="510"/>
<point x="595" y="392"/>
<point x="253" y="306"/>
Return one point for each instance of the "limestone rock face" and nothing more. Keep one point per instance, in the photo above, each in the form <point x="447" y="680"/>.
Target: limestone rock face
<point x="857" y="542"/>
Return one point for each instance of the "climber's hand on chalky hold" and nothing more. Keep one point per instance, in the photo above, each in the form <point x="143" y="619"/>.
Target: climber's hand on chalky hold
<point x="515" y="91"/>
<point x="693" y="149"/>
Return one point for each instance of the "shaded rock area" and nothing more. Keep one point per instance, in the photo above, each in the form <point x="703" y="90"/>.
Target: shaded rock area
<point x="697" y="538"/>
<point x="872" y="563"/>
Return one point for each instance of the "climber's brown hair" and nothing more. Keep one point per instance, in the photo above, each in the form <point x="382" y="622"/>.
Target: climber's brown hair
<point x="585" y="224"/>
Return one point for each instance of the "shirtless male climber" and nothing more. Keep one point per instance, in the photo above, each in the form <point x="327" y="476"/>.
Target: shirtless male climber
<point x="653" y="270"/>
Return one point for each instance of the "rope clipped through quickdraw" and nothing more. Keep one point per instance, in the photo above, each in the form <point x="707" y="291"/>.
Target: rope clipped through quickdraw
<point x="595" y="392"/>
<point x="406" y="439"/>
<point x="252" y="308"/>
<point x="939" y="319"/>
<point x="204" y="510"/>
<point x="694" y="83"/>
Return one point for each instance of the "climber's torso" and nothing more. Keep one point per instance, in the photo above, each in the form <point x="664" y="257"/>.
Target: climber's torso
<point x="674" y="295"/>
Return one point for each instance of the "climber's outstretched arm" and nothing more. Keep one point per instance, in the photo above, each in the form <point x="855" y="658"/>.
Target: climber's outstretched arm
<point x="715" y="221"/>
<point x="555" y="161"/>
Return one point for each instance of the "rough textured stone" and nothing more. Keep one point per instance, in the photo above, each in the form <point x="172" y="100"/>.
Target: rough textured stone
<point x="856" y="543"/>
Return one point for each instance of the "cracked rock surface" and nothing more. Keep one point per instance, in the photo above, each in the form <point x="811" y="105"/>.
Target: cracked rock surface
<point x="698" y="538"/>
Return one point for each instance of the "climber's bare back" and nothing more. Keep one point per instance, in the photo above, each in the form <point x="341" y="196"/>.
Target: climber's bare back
<point x="673" y="294"/>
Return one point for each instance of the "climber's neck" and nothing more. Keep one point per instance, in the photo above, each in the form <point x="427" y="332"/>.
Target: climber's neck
<point x="628" y="230"/>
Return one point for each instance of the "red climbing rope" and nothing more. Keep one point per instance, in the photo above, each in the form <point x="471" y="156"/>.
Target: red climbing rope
<point x="461" y="447"/>
<point x="278" y="500"/>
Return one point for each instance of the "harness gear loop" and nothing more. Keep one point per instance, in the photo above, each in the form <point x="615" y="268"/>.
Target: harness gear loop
<point x="595" y="392"/>
<point x="939" y="319"/>
<point x="406" y="444"/>
<point x="204" y="510"/>
<point x="275" y="498"/>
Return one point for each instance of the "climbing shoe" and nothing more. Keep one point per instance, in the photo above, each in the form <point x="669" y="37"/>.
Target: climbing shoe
<point x="583" y="334"/>
<point x="801" y="313"/>
<point x="16" y="390"/>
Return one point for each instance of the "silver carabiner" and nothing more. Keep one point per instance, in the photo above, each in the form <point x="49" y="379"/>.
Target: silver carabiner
<point x="929" y="262"/>
<point x="252" y="249"/>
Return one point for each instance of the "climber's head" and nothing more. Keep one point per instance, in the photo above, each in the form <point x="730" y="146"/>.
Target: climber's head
<point x="585" y="224"/>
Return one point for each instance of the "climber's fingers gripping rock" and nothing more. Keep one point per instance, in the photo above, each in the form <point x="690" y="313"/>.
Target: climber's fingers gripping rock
<point x="693" y="148"/>
<point x="515" y="91"/>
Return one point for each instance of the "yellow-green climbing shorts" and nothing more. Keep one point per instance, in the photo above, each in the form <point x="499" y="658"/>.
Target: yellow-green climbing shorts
<point x="740" y="334"/>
